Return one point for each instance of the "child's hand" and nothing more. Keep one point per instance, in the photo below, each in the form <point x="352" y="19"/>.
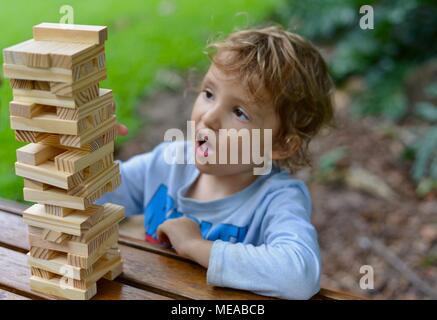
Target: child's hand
<point x="181" y="233"/>
<point x="122" y="130"/>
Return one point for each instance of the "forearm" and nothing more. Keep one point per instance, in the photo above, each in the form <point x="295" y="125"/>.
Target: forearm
<point x="284" y="271"/>
<point x="199" y="251"/>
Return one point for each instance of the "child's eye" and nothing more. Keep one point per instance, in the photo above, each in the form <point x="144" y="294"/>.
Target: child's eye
<point x="208" y="94"/>
<point x="239" y="112"/>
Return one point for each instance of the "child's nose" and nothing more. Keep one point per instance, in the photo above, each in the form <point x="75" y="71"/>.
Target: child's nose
<point x="213" y="118"/>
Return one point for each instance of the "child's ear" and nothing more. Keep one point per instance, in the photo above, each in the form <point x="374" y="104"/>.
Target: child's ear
<point x="287" y="148"/>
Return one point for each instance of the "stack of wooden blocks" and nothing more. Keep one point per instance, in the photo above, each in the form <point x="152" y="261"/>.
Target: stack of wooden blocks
<point x="70" y="125"/>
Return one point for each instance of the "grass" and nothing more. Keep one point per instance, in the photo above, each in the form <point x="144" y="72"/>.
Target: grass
<point x="144" y="38"/>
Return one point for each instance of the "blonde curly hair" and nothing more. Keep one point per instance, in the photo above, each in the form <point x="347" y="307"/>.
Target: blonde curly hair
<point x="295" y="76"/>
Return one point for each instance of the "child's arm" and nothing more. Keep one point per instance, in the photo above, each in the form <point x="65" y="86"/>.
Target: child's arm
<point x="287" y="265"/>
<point x="130" y="193"/>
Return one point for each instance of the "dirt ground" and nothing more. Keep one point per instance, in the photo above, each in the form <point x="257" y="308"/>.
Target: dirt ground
<point x="367" y="215"/>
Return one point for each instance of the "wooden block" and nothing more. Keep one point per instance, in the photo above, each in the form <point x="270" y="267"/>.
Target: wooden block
<point x="26" y="136"/>
<point x="70" y="33"/>
<point x="87" y="261"/>
<point x="18" y="71"/>
<point x="24" y="109"/>
<point x="44" y="274"/>
<point x="104" y="266"/>
<point x="68" y="89"/>
<point x="57" y="211"/>
<point x="36" y="153"/>
<point x="22" y="84"/>
<point x="106" y="127"/>
<point x="59" y="265"/>
<point x="44" y="97"/>
<point x="115" y="272"/>
<point x="100" y="99"/>
<point x="41" y="85"/>
<point x="47" y="119"/>
<point x="83" y="197"/>
<point x="111" y="215"/>
<point x="76" y="160"/>
<point x="45" y="122"/>
<point x="76" y="223"/>
<point x="74" y="247"/>
<point x="68" y="141"/>
<point x="42" y="252"/>
<point x="55" y="236"/>
<point x="35" y="185"/>
<point x="54" y="140"/>
<point x="46" y="173"/>
<point x="38" y="60"/>
<point x="64" y="83"/>
<point x="60" y="288"/>
<point x="51" y="54"/>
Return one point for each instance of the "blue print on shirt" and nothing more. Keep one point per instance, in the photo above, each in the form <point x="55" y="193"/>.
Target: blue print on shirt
<point x="162" y="207"/>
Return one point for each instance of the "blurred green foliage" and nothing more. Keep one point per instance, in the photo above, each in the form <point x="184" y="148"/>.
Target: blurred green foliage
<point x="404" y="37"/>
<point x="144" y="38"/>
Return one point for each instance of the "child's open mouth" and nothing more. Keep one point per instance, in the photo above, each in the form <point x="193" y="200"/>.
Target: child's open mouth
<point x="202" y="147"/>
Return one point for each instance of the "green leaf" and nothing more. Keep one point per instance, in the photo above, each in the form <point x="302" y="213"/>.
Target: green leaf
<point x="431" y="90"/>
<point x="426" y="110"/>
<point x="426" y="148"/>
<point x="329" y="160"/>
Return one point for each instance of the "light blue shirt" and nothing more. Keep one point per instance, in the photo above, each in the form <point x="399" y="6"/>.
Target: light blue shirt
<point x="264" y="241"/>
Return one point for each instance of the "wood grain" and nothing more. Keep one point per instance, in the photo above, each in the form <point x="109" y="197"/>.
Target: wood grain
<point x="16" y="273"/>
<point x="155" y="269"/>
<point x="7" y="295"/>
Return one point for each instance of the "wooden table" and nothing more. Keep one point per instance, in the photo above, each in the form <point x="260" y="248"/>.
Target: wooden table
<point x="150" y="272"/>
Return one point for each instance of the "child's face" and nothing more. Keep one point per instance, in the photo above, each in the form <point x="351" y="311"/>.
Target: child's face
<point x="225" y="103"/>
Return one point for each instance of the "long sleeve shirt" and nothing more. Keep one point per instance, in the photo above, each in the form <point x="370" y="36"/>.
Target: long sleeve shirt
<point x="263" y="239"/>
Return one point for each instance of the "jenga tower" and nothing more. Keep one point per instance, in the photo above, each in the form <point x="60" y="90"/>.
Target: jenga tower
<point x="69" y="123"/>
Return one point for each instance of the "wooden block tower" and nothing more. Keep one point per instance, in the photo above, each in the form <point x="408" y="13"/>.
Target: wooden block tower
<point x="69" y="123"/>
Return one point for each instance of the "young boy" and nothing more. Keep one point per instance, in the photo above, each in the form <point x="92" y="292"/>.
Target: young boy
<point x="252" y="232"/>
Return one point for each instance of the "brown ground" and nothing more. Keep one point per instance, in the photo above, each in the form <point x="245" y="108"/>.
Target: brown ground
<point x="366" y="213"/>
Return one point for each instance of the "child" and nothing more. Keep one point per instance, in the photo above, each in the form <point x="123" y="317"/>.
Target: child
<point x="252" y="232"/>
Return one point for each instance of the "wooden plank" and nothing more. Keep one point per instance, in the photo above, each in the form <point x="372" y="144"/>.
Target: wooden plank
<point x="48" y="174"/>
<point x="75" y="223"/>
<point x="101" y="98"/>
<point x="16" y="274"/>
<point x="76" y="160"/>
<point x="57" y="287"/>
<point x="35" y="153"/>
<point x="24" y="109"/>
<point x="56" y="211"/>
<point x="7" y="295"/>
<point x="158" y="271"/>
<point x="70" y="33"/>
<point x="81" y="197"/>
<point x="44" y="97"/>
<point x="81" y="81"/>
<point x="46" y="54"/>
<point x="61" y="283"/>
<point x="89" y="135"/>
<point x="148" y="269"/>
<point x="59" y="265"/>
<point x="89" y="242"/>
<point x="28" y="183"/>
<point x="45" y="122"/>
<point x="63" y="81"/>
<point x="18" y="71"/>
